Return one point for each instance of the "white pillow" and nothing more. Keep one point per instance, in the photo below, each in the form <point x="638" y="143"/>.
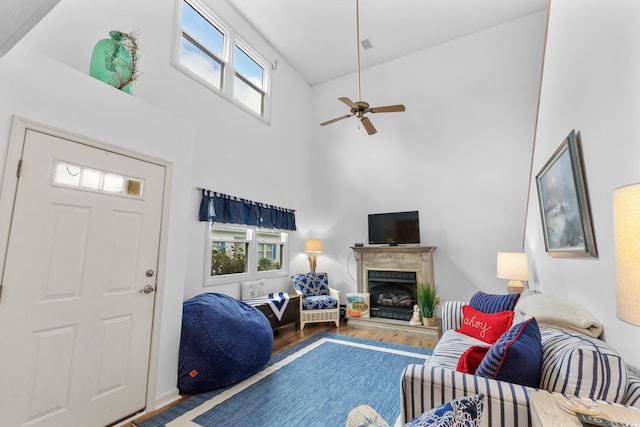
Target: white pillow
<point x="252" y="290"/>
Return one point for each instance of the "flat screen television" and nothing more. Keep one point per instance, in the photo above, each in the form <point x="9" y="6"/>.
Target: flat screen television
<point x="394" y="228"/>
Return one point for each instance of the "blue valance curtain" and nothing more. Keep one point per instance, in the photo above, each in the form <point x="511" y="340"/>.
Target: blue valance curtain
<point x="223" y="208"/>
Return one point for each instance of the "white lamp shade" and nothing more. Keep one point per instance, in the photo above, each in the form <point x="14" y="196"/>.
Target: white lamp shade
<point x="512" y="266"/>
<point x="626" y="232"/>
<point x="313" y="246"/>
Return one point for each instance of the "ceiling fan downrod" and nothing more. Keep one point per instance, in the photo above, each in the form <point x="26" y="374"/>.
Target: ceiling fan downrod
<point x="360" y="108"/>
<point x="358" y="46"/>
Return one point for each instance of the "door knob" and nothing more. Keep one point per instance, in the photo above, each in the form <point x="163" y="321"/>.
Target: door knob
<point x="147" y="289"/>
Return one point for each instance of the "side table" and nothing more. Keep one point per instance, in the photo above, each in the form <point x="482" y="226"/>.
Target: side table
<point x="546" y="411"/>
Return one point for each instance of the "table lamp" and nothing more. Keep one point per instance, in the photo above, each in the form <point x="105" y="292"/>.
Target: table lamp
<point x="313" y="247"/>
<point x="626" y="233"/>
<point x="513" y="267"/>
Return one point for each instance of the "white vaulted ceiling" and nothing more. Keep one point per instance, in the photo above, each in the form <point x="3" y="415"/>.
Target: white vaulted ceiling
<point x="17" y="17"/>
<point x="318" y="37"/>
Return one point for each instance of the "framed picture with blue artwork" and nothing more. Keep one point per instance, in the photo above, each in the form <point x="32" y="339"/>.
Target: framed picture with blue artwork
<point x="564" y="203"/>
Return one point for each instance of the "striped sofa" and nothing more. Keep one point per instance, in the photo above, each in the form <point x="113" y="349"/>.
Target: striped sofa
<point x="572" y="364"/>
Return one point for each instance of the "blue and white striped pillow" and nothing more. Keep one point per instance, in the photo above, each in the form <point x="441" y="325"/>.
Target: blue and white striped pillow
<point x="493" y="303"/>
<point x="578" y="365"/>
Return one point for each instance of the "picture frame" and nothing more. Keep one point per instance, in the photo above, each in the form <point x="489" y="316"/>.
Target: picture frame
<point x="564" y="203"/>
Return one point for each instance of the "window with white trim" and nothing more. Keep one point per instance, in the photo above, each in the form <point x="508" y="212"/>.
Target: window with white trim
<point x="235" y="252"/>
<point x="213" y="54"/>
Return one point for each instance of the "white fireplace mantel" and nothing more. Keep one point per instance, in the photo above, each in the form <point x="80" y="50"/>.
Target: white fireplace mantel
<point x="401" y="258"/>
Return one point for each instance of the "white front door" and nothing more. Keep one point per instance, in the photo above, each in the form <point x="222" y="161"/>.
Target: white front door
<point x="78" y="285"/>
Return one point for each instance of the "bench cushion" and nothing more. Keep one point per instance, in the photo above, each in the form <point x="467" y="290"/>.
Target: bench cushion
<point x="451" y="346"/>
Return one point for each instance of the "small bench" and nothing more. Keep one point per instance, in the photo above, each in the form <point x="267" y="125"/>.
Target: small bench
<point x="291" y="313"/>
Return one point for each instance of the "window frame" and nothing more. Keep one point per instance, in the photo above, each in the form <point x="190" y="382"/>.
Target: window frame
<point x="252" y="272"/>
<point x="231" y="39"/>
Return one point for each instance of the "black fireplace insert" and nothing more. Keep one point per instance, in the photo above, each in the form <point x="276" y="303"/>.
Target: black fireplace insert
<point x="392" y="293"/>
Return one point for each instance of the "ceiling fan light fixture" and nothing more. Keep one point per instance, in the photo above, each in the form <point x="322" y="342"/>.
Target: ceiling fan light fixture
<point x="360" y="108"/>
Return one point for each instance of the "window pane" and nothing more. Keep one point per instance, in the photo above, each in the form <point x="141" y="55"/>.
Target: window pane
<point x="270" y="249"/>
<point x="113" y="183"/>
<point x="269" y="257"/>
<point x="200" y="63"/>
<point x="249" y="68"/>
<point x="227" y="233"/>
<point x="249" y="96"/>
<point x="90" y="179"/>
<point x="67" y="174"/>
<point x="134" y="187"/>
<point x="202" y="30"/>
<point x="228" y="258"/>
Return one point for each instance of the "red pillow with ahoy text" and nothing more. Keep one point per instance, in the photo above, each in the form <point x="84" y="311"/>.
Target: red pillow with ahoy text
<point x="471" y="358"/>
<point x="484" y="326"/>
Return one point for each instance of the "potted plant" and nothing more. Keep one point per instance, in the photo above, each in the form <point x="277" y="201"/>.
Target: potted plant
<point x="428" y="301"/>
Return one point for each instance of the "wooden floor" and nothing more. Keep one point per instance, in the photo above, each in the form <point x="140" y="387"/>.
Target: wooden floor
<point x="288" y="336"/>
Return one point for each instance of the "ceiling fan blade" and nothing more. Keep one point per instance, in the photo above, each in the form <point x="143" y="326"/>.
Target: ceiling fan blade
<point x="349" y="102"/>
<point x="387" y="109"/>
<point x="368" y="126"/>
<point x="328" y="122"/>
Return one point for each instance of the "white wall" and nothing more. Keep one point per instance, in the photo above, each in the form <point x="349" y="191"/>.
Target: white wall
<point x="459" y="154"/>
<point x="72" y="101"/>
<point x="235" y="153"/>
<point x="212" y="143"/>
<point x="590" y="84"/>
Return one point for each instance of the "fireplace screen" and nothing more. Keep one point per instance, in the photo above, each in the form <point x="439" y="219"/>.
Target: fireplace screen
<point x="393" y="293"/>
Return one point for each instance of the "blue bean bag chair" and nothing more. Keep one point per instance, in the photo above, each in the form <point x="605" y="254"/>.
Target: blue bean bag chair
<point x="223" y="341"/>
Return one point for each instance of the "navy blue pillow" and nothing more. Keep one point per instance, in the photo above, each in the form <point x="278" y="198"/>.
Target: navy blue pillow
<point x="490" y="303"/>
<point x="516" y="357"/>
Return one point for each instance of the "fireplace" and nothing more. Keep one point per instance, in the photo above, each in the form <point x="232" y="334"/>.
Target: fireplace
<point x="389" y="274"/>
<point x="392" y="293"/>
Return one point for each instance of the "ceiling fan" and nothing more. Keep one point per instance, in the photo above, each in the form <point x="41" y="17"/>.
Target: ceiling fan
<point x="360" y="108"/>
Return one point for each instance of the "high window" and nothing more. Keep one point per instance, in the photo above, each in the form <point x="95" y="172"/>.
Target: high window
<point x="212" y="53"/>
<point x="240" y="252"/>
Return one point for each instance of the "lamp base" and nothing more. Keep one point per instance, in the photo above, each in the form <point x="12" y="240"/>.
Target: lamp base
<point x="313" y="259"/>
<point x="515" y="287"/>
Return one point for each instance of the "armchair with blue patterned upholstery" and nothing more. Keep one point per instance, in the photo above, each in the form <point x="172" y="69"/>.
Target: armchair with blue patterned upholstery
<point x="318" y="302"/>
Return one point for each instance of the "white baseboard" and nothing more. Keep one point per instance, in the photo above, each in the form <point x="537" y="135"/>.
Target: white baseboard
<point x="165" y="399"/>
<point x="160" y="401"/>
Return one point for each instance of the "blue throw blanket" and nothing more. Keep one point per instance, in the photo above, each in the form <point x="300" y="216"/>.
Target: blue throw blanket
<point x="278" y="302"/>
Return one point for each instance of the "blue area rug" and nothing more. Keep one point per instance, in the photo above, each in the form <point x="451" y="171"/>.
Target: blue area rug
<point x="315" y="383"/>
